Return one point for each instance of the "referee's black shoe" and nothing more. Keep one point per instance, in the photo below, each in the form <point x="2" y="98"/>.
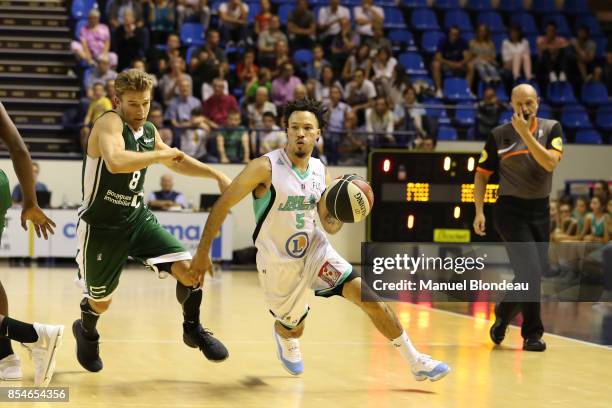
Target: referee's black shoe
<point x="497" y="332"/>
<point x="196" y="336"/>
<point x="87" y="350"/>
<point x="534" y="345"/>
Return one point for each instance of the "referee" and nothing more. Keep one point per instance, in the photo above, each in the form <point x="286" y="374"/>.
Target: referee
<point x="524" y="153"/>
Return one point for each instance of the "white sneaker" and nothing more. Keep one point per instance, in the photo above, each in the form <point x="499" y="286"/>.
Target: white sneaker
<point x="439" y="93"/>
<point x="553" y="77"/>
<point x="426" y="367"/>
<point x="562" y="77"/>
<point x="288" y="352"/>
<point x="43" y="352"/>
<point x="10" y="368"/>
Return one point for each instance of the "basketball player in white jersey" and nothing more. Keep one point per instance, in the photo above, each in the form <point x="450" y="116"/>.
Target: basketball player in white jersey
<point x="294" y="256"/>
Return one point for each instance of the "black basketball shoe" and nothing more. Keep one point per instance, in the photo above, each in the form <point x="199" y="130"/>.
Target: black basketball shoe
<point x="497" y="332"/>
<point x="87" y="350"/>
<point x="534" y="345"/>
<point x="199" y="337"/>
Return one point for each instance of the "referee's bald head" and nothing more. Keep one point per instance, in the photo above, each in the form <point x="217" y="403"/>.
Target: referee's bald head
<point x="524" y="90"/>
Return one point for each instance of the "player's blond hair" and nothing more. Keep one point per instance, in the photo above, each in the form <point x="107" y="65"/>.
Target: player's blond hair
<point x="133" y="80"/>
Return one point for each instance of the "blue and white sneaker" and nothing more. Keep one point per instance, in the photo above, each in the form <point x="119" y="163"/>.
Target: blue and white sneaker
<point x="288" y="352"/>
<point x="426" y="367"/>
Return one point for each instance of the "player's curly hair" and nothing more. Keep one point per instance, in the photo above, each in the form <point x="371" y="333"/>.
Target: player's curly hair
<point x="309" y="105"/>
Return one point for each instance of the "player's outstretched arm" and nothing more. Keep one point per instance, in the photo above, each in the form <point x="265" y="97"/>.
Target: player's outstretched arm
<point x="257" y="172"/>
<point x="330" y="224"/>
<point x="22" y="163"/>
<point x="192" y="167"/>
<point x="119" y="160"/>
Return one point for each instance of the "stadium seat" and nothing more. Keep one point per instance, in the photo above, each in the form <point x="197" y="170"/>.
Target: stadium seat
<point x="80" y="8"/>
<point x="447" y="4"/>
<point x="414" y="3"/>
<point x="465" y="115"/>
<point x="602" y="43"/>
<point x="575" y="117"/>
<point x="456" y="89"/>
<point x="544" y="7"/>
<point x="402" y="38"/>
<point x="594" y="93"/>
<point x="560" y="92"/>
<point x="500" y="91"/>
<point x="302" y="58"/>
<point x="527" y="23"/>
<point x="561" y="22"/>
<point x="393" y="18"/>
<point x="588" y="137"/>
<point x="429" y="41"/>
<point x="591" y="22"/>
<point x="424" y="19"/>
<point x="545" y="112"/>
<point x="479" y="5"/>
<point x="283" y="13"/>
<point x="498" y="40"/>
<point x="434" y="108"/>
<point x="254" y="9"/>
<point x="413" y="62"/>
<point x="458" y="18"/>
<point x="447" y="133"/>
<point x="576" y="6"/>
<point x="467" y="35"/>
<point x="77" y="29"/>
<point x="603" y="119"/>
<point x="492" y="20"/>
<point x="505" y="117"/>
<point x="190" y="52"/>
<point x="510" y="6"/>
<point x="192" y="34"/>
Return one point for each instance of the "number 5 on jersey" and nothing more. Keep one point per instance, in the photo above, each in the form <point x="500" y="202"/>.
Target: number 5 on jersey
<point x="299" y="220"/>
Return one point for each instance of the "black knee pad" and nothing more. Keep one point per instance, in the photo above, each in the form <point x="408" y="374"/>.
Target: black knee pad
<point x="184" y="292"/>
<point x="86" y="307"/>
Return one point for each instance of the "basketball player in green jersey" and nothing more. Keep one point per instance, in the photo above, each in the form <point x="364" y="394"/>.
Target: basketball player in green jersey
<point x="42" y="340"/>
<point x="294" y="257"/>
<point x="114" y="222"/>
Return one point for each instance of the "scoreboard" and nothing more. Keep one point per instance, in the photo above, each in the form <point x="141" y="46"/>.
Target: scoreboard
<point x="426" y="197"/>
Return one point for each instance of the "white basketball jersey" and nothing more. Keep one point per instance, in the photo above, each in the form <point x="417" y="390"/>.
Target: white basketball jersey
<point x="286" y="215"/>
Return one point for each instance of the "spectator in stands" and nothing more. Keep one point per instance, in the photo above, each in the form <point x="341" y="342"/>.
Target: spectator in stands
<point x="313" y="70"/>
<point x="365" y="15"/>
<point x="160" y="58"/>
<point x="516" y="54"/>
<point x="129" y="41"/>
<point x="580" y="211"/>
<point x="246" y="70"/>
<point x="552" y="55"/>
<point x="595" y="223"/>
<point x="212" y="46"/>
<point x="233" y="22"/>
<point x="567" y="229"/>
<point x="98" y="104"/>
<point x="220" y="105"/>
<point x="178" y="111"/>
<point x="156" y="117"/>
<point x="169" y="84"/>
<point x="166" y="198"/>
<point x="425" y="143"/>
<point x="323" y="87"/>
<point x="193" y="10"/>
<point x="384" y="64"/>
<point x="489" y="110"/>
<point x="380" y="120"/>
<point x="17" y="194"/>
<point x="483" y="57"/>
<point x="101" y="73"/>
<point x="233" y="140"/>
<point x="378" y="39"/>
<point x="194" y="138"/>
<point x="352" y="145"/>
<point x="284" y="86"/>
<point x="343" y="45"/>
<point x="267" y="40"/>
<point x="336" y="110"/>
<point x="262" y="20"/>
<point x="161" y="19"/>
<point x="301" y="26"/>
<point x="140" y="65"/>
<point x="607" y="70"/>
<point x="95" y="40"/>
<point x="359" y="60"/>
<point x="281" y="57"/>
<point x="264" y="78"/>
<point x="110" y="90"/>
<point x="262" y="104"/>
<point x="300" y="92"/>
<point x="397" y="85"/>
<point x="581" y="54"/>
<point x="311" y="88"/>
<point x="601" y="188"/>
<point x="118" y="8"/>
<point x="452" y="58"/>
<point x="330" y="19"/>
<point x="360" y="92"/>
<point x="410" y="115"/>
<point x="271" y="137"/>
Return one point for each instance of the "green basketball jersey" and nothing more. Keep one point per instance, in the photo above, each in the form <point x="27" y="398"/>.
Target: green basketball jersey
<point x="114" y="200"/>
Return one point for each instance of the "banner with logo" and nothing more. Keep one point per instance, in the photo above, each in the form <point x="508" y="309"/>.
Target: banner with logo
<point x="186" y="227"/>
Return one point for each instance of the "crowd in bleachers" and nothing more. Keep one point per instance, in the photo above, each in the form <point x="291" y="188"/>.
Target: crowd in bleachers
<point x="391" y="72"/>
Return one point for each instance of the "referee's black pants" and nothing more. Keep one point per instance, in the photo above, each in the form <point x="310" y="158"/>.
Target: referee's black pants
<point x="528" y="222"/>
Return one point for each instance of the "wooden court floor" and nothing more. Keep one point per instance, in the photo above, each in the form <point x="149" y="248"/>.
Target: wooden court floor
<point x="348" y="364"/>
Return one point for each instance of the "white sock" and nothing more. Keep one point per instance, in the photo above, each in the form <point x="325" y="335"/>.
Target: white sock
<point x="405" y="347"/>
